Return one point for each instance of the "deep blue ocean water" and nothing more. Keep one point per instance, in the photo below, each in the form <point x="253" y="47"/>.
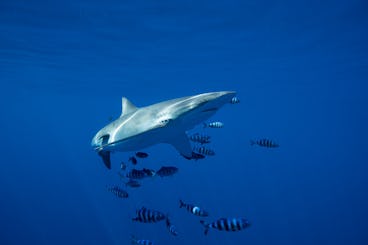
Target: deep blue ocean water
<point x="300" y="69"/>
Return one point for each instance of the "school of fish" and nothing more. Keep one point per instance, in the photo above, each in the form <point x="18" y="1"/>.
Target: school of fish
<point x="133" y="177"/>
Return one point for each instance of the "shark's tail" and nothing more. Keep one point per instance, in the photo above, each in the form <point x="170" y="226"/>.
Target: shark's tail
<point x="206" y="226"/>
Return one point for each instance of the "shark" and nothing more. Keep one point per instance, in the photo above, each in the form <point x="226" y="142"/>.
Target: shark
<point x="164" y="122"/>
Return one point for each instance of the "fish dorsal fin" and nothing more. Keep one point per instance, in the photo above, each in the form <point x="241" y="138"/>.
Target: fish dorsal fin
<point x="127" y="107"/>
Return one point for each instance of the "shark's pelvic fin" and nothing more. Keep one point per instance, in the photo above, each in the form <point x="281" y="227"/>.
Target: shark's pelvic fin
<point x="182" y="145"/>
<point x="127" y="106"/>
<point x="105" y="158"/>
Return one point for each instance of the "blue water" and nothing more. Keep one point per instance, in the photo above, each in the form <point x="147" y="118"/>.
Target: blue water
<point x="300" y="69"/>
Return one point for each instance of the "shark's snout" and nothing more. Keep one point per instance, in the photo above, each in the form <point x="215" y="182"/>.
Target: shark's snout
<point x="99" y="141"/>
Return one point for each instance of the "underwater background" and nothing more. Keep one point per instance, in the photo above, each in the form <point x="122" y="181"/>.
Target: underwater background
<point x="300" y="70"/>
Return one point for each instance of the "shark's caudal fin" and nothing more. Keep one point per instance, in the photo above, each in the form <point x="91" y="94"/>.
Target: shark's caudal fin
<point x="182" y="145"/>
<point x="127" y="107"/>
<point x="105" y="158"/>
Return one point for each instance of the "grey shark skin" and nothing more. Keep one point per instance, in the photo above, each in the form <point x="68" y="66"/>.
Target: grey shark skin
<point x="164" y="122"/>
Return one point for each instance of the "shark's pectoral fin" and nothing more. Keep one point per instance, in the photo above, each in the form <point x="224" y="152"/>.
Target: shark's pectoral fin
<point x="105" y="158"/>
<point x="182" y="145"/>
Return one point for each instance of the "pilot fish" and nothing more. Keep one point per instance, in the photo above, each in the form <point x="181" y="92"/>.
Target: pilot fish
<point x="167" y="171"/>
<point x="145" y="215"/>
<point x="204" y="151"/>
<point x="200" y="138"/>
<point x="133" y="183"/>
<point x="226" y="224"/>
<point x="117" y="191"/>
<point x="264" y="143"/>
<point x="136" y="174"/>
<point x="193" y="209"/>
<point x="141" y="154"/>
<point x="213" y="125"/>
<point x="137" y="241"/>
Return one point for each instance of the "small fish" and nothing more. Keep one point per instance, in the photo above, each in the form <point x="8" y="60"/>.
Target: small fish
<point x="137" y="241"/>
<point x="226" y="224"/>
<point x="117" y="191"/>
<point x="213" y="125"/>
<point x="234" y="100"/>
<point x="193" y="209"/>
<point x="123" y="166"/>
<point x="133" y="160"/>
<point x="133" y="183"/>
<point x="136" y="174"/>
<point x="145" y="215"/>
<point x="264" y="143"/>
<point x="149" y="172"/>
<point x="197" y="156"/>
<point x="167" y="171"/>
<point x="141" y="154"/>
<point x="204" y="151"/>
<point x="200" y="138"/>
<point x="171" y="228"/>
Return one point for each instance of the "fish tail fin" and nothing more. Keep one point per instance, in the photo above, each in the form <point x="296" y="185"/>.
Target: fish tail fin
<point x="181" y="204"/>
<point x="252" y="142"/>
<point x="206" y="226"/>
<point x="205" y="125"/>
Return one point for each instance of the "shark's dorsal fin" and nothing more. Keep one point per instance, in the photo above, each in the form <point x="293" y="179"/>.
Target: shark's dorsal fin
<point x="182" y="145"/>
<point x="127" y="106"/>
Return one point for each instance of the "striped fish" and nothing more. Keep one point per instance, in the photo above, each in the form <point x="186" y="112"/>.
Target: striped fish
<point x="136" y="174"/>
<point x="145" y="215"/>
<point x="133" y="183"/>
<point x="167" y="171"/>
<point x="213" y="125"/>
<point x="171" y="228"/>
<point x="234" y="100"/>
<point x="264" y="143"/>
<point x="193" y="209"/>
<point x="226" y="224"/>
<point x="204" y="151"/>
<point x="117" y="191"/>
<point x="200" y="138"/>
<point x="137" y="241"/>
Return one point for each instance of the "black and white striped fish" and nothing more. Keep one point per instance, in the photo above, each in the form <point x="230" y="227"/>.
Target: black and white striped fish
<point x="195" y="156"/>
<point x="193" y="209"/>
<point x="117" y="191"/>
<point x="264" y="143"/>
<point x="136" y="174"/>
<point x="213" y="125"/>
<point x="226" y="224"/>
<point x="200" y="138"/>
<point x="234" y="100"/>
<point x="137" y="241"/>
<point x="145" y="215"/>
<point x="133" y="183"/>
<point x="167" y="171"/>
<point x="171" y="228"/>
<point x="204" y="151"/>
